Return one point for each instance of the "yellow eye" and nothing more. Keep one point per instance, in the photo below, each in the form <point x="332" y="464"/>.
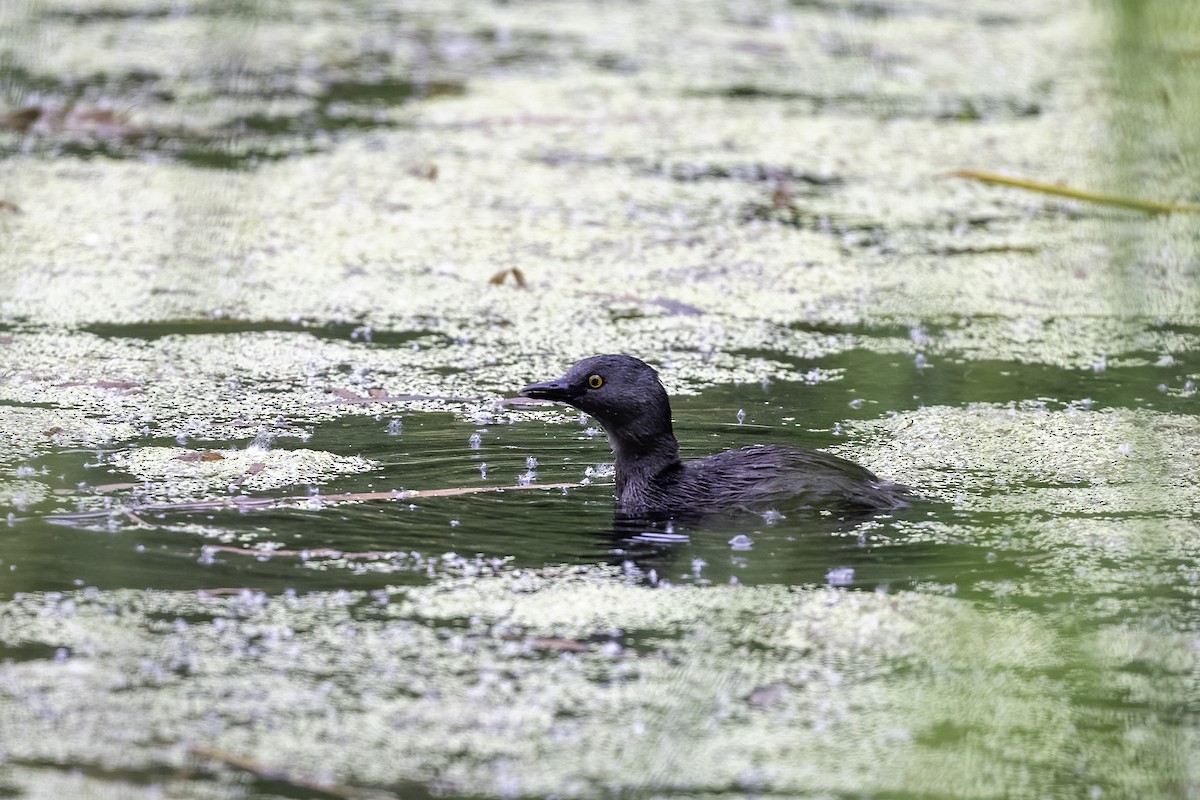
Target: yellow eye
<point x="595" y="381"/>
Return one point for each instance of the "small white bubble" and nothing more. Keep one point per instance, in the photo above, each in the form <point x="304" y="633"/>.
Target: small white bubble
<point x="531" y="463"/>
<point x="475" y="442"/>
<point x="920" y="361"/>
<point x="741" y="542"/>
<point x="1125" y="449"/>
<point x="394" y="427"/>
<point x="856" y="403"/>
<point x="741" y="415"/>
<point x="483" y="470"/>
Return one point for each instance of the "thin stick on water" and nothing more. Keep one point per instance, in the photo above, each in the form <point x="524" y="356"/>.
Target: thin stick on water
<point x="1146" y="206"/>
<point x="246" y="503"/>
<point x="264" y="772"/>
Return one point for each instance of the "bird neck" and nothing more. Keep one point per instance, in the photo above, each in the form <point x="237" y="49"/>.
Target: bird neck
<point x="640" y="459"/>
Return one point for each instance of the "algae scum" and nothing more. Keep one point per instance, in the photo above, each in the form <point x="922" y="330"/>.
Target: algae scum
<point x="272" y="273"/>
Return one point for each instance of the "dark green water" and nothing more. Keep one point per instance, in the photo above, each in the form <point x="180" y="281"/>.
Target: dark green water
<point x="575" y="526"/>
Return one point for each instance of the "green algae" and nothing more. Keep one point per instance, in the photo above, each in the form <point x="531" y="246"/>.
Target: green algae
<point x="1029" y="457"/>
<point x="646" y="167"/>
<point x="801" y="690"/>
<point x="21" y="494"/>
<point x="584" y="229"/>
<point x="396" y="689"/>
<point x="253" y="469"/>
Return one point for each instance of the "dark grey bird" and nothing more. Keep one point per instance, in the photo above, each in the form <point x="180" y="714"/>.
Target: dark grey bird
<point x="625" y="395"/>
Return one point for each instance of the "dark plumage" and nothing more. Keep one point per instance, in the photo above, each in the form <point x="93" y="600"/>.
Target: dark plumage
<point x="625" y="396"/>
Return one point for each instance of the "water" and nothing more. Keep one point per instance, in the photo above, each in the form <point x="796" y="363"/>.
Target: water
<point x="574" y="525"/>
<point x="272" y="271"/>
<point x="1042" y="592"/>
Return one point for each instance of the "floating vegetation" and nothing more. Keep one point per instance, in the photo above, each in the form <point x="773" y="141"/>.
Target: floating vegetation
<point x="246" y="309"/>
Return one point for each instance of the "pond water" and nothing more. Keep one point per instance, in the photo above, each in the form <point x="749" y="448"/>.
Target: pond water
<point x="1008" y="565"/>
<point x="268" y="267"/>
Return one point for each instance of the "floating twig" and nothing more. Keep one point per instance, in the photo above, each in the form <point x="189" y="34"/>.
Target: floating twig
<point x="244" y="503"/>
<point x="141" y="523"/>
<point x="1146" y="206"/>
<point x="275" y="775"/>
<point x="316" y="552"/>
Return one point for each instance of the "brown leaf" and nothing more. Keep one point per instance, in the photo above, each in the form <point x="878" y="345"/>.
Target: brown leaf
<point x="22" y="119"/>
<point x="499" y="277"/>
<point x="52" y="431"/>
<point x="377" y="392"/>
<point x="428" y="172"/>
<point x="201" y="455"/>
<point x="345" y="394"/>
<point x="781" y="197"/>
<point x="8" y="205"/>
